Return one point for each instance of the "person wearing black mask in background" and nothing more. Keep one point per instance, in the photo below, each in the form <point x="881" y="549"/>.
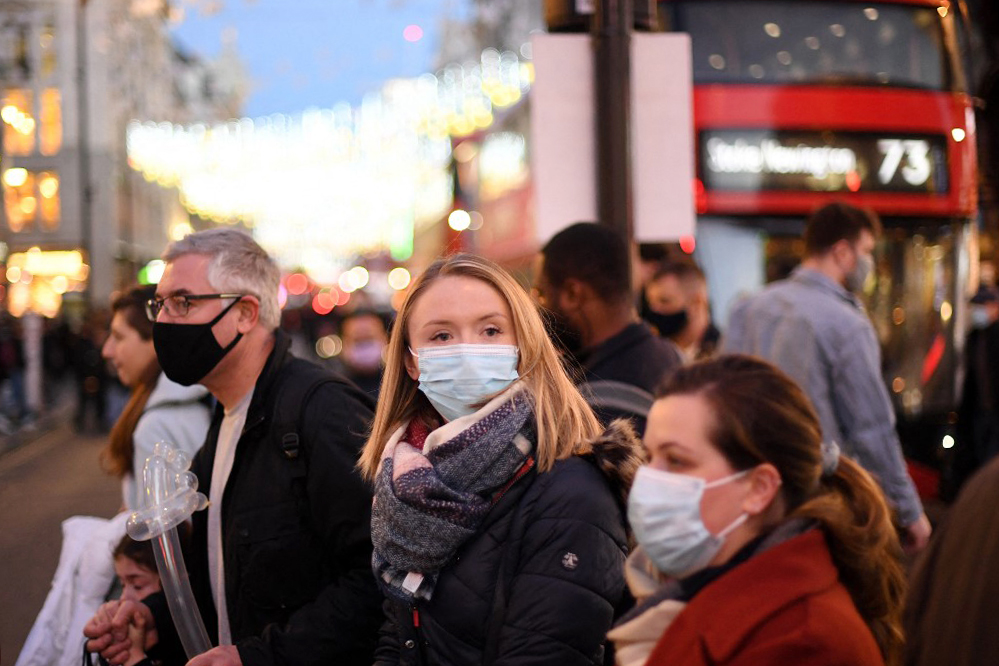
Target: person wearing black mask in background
<point x="675" y="302"/>
<point x="280" y="561"/>
<point x="583" y="281"/>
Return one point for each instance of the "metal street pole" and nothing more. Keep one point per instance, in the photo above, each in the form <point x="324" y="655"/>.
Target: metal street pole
<point x="86" y="190"/>
<point x="612" y="66"/>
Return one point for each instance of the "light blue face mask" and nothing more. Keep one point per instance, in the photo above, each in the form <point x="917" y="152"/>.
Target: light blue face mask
<point x="457" y="378"/>
<point x="664" y="509"/>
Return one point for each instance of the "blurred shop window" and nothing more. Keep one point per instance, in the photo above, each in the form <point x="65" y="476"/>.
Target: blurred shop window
<point x="31" y="198"/>
<point x="18" y="123"/>
<point x="50" y="135"/>
<point x="48" y="207"/>
<point x="19" y="198"/>
<point x="46" y="40"/>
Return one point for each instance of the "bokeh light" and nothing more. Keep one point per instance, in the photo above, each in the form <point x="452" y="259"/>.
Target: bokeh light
<point x="297" y="284"/>
<point x="360" y="278"/>
<point x="459" y="220"/>
<point x="399" y="278"/>
<point x="322" y="306"/>
<point x="412" y="33"/>
<point x="688" y="244"/>
<point x="329" y="346"/>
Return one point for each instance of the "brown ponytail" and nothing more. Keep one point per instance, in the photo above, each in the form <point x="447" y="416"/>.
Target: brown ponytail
<point x="116" y="457"/>
<point x="852" y="511"/>
<point x="762" y="416"/>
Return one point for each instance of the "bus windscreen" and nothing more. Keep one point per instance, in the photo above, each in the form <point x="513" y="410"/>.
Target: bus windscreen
<point x="820" y="43"/>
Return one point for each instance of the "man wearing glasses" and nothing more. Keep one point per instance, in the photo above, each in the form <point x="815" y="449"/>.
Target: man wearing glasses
<point x="280" y="561"/>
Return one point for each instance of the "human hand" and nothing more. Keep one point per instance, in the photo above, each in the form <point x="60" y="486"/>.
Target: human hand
<point x="917" y="535"/>
<point x="137" y="640"/>
<point x="101" y="636"/>
<point x="108" y="629"/>
<point x="224" y="655"/>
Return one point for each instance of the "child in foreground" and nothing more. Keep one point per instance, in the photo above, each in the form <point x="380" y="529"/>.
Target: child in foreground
<point x="135" y="566"/>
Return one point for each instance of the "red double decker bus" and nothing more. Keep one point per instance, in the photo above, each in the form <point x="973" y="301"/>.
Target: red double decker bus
<point x="798" y="102"/>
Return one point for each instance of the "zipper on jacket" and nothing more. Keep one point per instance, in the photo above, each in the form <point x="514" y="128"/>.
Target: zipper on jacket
<point x="524" y="469"/>
<point x="416" y="642"/>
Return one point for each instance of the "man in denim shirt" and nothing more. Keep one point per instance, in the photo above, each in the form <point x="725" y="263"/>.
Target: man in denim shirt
<point x="813" y="326"/>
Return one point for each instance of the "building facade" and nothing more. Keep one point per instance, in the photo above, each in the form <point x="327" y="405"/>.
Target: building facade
<point x="73" y="74"/>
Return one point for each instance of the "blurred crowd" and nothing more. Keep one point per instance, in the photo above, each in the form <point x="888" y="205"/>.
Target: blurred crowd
<point x="585" y="471"/>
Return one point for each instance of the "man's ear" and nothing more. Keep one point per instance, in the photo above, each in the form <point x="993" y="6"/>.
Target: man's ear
<point x="573" y="294"/>
<point x="248" y="310"/>
<point x="843" y="249"/>
<point x="764" y="488"/>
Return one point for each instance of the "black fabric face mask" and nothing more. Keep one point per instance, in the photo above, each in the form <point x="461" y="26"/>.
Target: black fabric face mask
<point x="667" y="325"/>
<point x="188" y="352"/>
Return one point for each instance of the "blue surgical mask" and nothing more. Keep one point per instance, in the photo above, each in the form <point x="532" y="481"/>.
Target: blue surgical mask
<point x="664" y="509"/>
<point x="457" y="379"/>
<point x="857" y="278"/>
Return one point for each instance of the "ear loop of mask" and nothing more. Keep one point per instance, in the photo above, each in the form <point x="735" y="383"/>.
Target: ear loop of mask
<point x="743" y="517"/>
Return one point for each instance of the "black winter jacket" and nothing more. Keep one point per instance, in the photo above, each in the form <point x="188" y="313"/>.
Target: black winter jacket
<point x="556" y="544"/>
<point x="296" y="533"/>
<point x="635" y="356"/>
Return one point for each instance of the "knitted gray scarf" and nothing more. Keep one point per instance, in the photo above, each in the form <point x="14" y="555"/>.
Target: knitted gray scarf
<point x="426" y="506"/>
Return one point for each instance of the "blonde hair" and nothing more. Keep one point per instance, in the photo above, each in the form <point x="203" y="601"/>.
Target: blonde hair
<point x="565" y="423"/>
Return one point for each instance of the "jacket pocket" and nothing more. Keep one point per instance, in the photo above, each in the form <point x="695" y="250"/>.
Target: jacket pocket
<point x="279" y="561"/>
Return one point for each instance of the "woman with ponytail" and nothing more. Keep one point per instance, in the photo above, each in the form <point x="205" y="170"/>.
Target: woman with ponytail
<point x="758" y="542"/>
<point x="158" y="409"/>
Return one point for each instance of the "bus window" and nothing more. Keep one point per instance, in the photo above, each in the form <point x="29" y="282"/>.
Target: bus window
<point x="825" y="43"/>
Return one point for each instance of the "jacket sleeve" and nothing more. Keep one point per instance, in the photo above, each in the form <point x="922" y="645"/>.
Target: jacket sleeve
<point x="183" y="427"/>
<point x="865" y="414"/>
<point x="569" y="577"/>
<point x="340" y="626"/>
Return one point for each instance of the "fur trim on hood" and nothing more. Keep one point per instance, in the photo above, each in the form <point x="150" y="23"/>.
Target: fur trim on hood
<point x="618" y="453"/>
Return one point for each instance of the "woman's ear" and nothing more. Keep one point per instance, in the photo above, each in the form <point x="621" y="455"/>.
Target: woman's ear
<point x="412" y="365"/>
<point x="765" y="485"/>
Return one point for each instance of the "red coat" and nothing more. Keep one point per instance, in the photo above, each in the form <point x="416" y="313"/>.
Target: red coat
<point x="785" y="606"/>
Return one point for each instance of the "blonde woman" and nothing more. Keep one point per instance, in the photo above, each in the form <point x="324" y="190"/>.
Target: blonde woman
<point x="498" y="521"/>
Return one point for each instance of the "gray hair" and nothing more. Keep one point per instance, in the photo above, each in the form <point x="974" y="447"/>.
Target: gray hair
<point x="237" y="264"/>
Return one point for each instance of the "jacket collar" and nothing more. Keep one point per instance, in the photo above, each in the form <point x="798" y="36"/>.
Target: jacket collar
<point x="617" y="452"/>
<point x="731" y="608"/>
<point x="814" y="278"/>
<point x="629" y="336"/>
<point x="261" y="400"/>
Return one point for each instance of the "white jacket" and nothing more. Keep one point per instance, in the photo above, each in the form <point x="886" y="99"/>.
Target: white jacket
<point x="174" y="414"/>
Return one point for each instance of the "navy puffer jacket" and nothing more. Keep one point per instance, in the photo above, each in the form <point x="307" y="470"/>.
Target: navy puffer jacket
<point x="553" y="547"/>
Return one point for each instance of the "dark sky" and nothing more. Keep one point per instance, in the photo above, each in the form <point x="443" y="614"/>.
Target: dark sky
<point x="303" y="53"/>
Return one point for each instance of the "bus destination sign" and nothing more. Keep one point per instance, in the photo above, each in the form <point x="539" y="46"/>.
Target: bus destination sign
<point x="823" y="161"/>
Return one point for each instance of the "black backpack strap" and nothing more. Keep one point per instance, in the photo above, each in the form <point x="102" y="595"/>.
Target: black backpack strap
<point x="299" y="380"/>
<point x="294" y="392"/>
<point x="617" y="396"/>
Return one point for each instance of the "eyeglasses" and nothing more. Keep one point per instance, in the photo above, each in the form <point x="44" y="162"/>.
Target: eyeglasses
<point x="180" y="305"/>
